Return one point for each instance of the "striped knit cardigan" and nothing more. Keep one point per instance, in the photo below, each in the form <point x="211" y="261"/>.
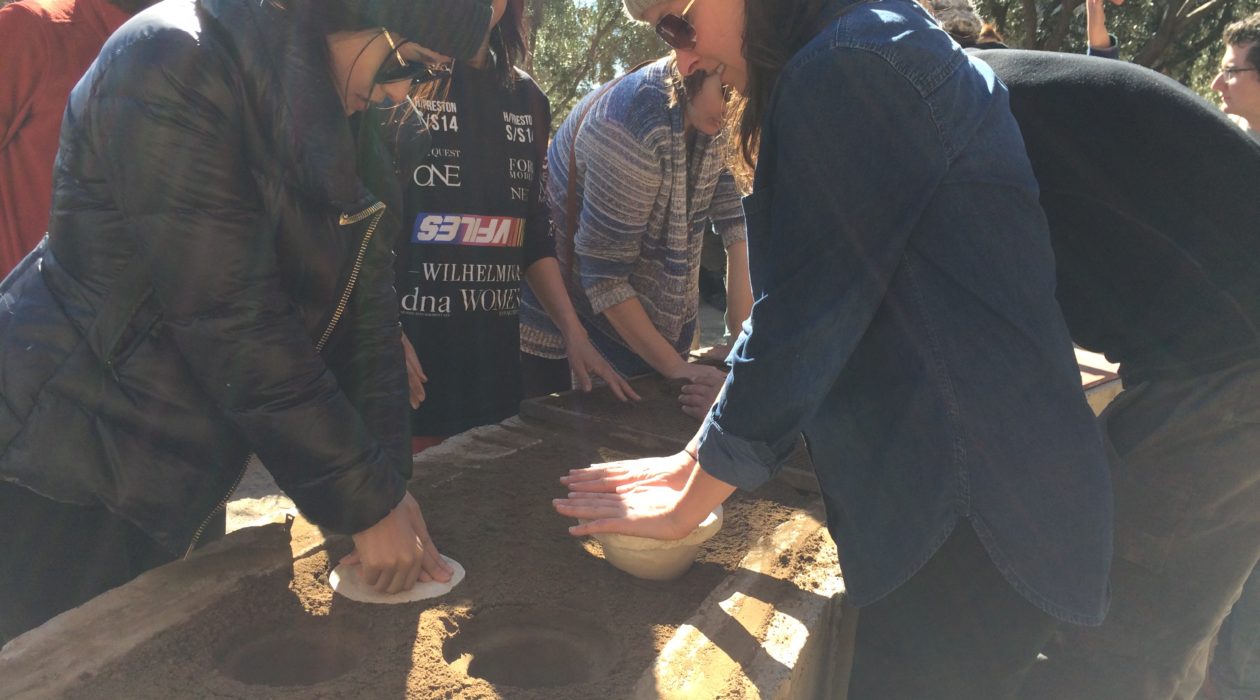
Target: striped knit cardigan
<point x="645" y="204"/>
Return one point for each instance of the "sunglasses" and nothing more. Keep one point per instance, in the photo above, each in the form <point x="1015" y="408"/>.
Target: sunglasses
<point x="676" y="30"/>
<point x="397" y="69"/>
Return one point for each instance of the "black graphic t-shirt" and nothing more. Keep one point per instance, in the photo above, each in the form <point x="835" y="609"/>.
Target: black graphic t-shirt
<point x="474" y="221"/>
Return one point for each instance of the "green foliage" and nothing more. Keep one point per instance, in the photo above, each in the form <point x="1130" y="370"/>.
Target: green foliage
<point x="1180" y="38"/>
<point x="579" y="44"/>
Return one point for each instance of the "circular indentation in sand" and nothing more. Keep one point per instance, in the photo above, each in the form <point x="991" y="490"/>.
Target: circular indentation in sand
<point x="531" y="647"/>
<point x="288" y="655"/>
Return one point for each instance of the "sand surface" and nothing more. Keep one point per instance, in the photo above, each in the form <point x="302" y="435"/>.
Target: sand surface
<point x="540" y="614"/>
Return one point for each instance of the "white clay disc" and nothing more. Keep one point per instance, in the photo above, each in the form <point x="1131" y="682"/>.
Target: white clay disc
<point x="345" y="580"/>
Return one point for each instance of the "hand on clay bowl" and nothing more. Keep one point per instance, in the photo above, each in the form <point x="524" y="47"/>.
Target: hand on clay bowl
<point x="658" y="560"/>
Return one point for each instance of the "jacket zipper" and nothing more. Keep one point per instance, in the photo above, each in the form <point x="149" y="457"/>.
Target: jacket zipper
<point x="377" y="211"/>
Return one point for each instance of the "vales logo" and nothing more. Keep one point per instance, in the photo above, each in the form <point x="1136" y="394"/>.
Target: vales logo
<point x="469" y="229"/>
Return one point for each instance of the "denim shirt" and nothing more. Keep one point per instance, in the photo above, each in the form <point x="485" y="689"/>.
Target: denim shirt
<point x="905" y="321"/>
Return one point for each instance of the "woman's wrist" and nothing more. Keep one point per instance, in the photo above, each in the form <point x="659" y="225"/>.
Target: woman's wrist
<point x="692" y="453"/>
<point x="703" y="493"/>
<point x="674" y="367"/>
<point x="573" y="331"/>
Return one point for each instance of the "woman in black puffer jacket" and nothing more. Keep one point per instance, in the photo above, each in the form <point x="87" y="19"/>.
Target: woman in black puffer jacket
<point x="211" y="286"/>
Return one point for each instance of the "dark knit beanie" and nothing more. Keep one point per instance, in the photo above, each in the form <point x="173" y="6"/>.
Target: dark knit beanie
<point x="453" y="28"/>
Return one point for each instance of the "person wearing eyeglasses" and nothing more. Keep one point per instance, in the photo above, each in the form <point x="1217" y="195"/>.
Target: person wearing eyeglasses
<point x="1238" y="82"/>
<point x="475" y="230"/>
<point x="636" y="174"/>
<point x="905" y="321"/>
<point x="217" y="281"/>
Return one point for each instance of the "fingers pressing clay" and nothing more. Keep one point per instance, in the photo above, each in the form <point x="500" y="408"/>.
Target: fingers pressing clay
<point x="346" y="581"/>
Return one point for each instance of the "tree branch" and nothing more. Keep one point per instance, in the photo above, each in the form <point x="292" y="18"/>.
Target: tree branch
<point x="1159" y="42"/>
<point x="1190" y="54"/>
<point x="1201" y="8"/>
<point x="562" y="98"/>
<point x="1029" y="11"/>
<point x="1062" y="25"/>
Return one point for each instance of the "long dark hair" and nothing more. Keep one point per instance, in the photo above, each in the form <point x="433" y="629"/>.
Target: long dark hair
<point x="510" y="41"/>
<point x="774" y="30"/>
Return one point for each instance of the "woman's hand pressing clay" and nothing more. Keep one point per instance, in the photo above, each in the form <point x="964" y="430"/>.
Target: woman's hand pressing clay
<point x="663" y="498"/>
<point x="626" y="475"/>
<point x="647" y="512"/>
<point x="397" y="551"/>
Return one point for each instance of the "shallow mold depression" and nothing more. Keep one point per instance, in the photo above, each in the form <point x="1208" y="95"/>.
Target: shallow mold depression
<point x="305" y="654"/>
<point x="527" y="646"/>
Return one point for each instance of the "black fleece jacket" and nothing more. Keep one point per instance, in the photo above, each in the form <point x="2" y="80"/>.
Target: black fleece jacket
<point x="1153" y="198"/>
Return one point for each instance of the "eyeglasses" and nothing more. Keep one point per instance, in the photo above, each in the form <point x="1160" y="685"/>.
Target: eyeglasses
<point x="676" y="30"/>
<point x="397" y="69"/>
<point x="1233" y="71"/>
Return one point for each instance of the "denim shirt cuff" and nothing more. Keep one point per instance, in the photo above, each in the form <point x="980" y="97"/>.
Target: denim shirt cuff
<point x="1112" y="51"/>
<point x="736" y="461"/>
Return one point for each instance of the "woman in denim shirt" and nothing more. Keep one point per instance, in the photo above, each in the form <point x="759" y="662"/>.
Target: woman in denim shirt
<point x="905" y="322"/>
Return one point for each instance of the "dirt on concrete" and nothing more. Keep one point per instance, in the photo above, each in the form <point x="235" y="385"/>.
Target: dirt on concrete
<point x="540" y="615"/>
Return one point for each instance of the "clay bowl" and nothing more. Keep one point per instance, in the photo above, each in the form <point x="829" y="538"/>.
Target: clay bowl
<point x="658" y="560"/>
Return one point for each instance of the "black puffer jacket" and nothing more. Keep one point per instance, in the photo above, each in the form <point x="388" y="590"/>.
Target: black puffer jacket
<point x="211" y="286"/>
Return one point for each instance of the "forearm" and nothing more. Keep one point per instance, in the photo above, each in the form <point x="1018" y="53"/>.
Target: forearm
<point x="1096" y="26"/>
<point x="631" y="322"/>
<point x="544" y="279"/>
<point x="738" y="287"/>
<point x="701" y="495"/>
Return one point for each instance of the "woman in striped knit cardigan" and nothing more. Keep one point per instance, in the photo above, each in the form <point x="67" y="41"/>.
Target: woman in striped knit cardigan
<point x="650" y="179"/>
